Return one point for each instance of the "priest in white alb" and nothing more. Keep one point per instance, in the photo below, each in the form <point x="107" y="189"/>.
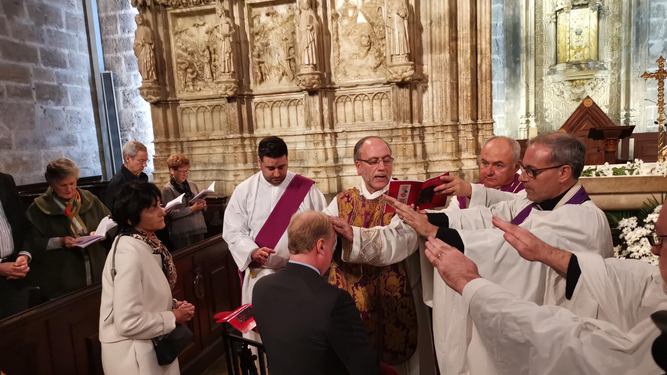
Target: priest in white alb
<point x="498" y="167"/>
<point x="259" y="211"/>
<point x="628" y="335"/>
<point x="556" y="208"/>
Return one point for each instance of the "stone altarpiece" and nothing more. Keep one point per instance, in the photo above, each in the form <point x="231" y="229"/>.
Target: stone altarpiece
<point x="321" y="75"/>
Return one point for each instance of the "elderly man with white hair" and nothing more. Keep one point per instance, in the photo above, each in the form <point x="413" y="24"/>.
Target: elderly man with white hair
<point x="135" y="157"/>
<point x="629" y="335"/>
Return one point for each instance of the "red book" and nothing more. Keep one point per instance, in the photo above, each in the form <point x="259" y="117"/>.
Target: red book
<point x="419" y="193"/>
<point x="240" y="318"/>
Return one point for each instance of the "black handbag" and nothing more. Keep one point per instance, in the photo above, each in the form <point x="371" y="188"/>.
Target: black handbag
<point x="168" y="347"/>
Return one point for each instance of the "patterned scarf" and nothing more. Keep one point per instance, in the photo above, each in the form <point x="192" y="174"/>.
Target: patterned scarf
<point x="71" y="208"/>
<point x="183" y="188"/>
<point x="168" y="266"/>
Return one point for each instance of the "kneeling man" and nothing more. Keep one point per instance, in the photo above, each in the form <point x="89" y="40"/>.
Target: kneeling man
<point x="308" y="326"/>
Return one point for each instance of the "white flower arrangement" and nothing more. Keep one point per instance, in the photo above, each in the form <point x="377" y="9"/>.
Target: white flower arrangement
<point x="634" y="244"/>
<point x="636" y="168"/>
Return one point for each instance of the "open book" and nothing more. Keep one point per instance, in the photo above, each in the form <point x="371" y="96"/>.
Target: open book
<point x="203" y="194"/>
<point x="419" y="193"/>
<point x="240" y="318"/>
<point x="174" y="202"/>
<point x="103" y="227"/>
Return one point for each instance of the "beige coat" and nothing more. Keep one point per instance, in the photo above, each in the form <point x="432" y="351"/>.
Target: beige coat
<point x="136" y="307"/>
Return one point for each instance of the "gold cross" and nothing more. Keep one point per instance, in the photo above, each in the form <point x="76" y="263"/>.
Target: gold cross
<point x="660" y="75"/>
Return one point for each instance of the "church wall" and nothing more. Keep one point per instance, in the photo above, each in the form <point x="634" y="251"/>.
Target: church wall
<point x="657" y="46"/>
<point x="498" y="57"/>
<point x="117" y="28"/>
<point x="45" y="98"/>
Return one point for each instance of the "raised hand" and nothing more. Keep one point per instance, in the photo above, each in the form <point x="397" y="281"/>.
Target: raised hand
<point x="456" y="269"/>
<point x="454" y="186"/>
<point x="417" y="220"/>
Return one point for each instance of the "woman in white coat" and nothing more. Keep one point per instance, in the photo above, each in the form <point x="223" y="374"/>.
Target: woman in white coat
<point x="137" y="304"/>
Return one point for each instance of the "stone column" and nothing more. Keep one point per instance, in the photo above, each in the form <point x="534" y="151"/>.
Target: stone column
<point x="484" y="90"/>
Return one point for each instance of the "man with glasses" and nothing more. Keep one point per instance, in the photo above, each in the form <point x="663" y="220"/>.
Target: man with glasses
<point x="388" y="297"/>
<point x="626" y="333"/>
<point x="498" y="166"/>
<point x="556" y="208"/>
<point x="135" y="155"/>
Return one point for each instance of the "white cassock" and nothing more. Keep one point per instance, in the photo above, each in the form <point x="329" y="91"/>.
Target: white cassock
<point x="524" y="338"/>
<point x="247" y="210"/>
<point x="421" y="363"/>
<point x="581" y="227"/>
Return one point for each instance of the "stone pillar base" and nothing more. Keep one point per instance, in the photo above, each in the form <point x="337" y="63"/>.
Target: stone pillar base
<point x="309" y="80"/>
<point x="400" y="72"/>
<point x="150" y="91"/>
<point x="226" y="87"/>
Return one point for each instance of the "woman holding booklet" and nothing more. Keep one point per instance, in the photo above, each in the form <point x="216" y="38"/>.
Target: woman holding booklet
<point x="60" y="216"/>
<point x="186" y="222"/>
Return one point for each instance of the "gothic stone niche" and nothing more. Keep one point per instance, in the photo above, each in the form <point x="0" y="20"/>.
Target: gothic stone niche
<point x="278" y="114"/>
<point x="204" y="119"/>
<point x="272" y="34"/>
<point x="202" y="45"/>
<point x="359" y="40"/>
<point x="363" y="108"/>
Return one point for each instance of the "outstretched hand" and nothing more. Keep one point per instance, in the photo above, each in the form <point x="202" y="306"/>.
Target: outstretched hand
<point x="417" y="220"/>
<point x="456" y="269"/>
<point x="454" y="186"/>
<point x="342" y="228"/>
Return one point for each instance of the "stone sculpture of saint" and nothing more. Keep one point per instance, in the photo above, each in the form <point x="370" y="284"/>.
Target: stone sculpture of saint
<point x="398" y="26"/>
<point x="206" y="59"/>
<point x="225" y="32"/>
<point x="308" y="28"/>
<point x="144" y="49"/>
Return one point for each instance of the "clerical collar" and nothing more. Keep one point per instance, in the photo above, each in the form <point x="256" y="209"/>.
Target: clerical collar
<point x="550" y="204"/>
<point x="370" y="196"/>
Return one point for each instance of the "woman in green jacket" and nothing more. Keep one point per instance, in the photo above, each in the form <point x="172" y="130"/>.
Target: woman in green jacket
<point x="60" y="215"/>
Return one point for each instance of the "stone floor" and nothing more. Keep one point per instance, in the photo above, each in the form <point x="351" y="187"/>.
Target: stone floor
<point x="219" y="367"/>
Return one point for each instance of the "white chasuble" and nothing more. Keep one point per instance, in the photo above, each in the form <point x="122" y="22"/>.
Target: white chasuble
<point x="249" y="207"/>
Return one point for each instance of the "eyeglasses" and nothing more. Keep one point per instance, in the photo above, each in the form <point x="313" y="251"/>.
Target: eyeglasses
<point x="655" y="239"/>
<point x="142" y="161"/>
<point x="534" y="172"/>
<point x="375" y="161"/>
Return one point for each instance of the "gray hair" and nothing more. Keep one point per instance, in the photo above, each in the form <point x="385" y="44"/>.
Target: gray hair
<point x="566" y="149"/>
<point x="60" y="169"/>
<point x="132" y="147"/>
<point x="514" y="145"/>
<point x="360" y="143"/>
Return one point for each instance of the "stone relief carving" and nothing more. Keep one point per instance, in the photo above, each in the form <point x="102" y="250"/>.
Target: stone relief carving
<point x="401" y="68"/>
<point x="170" y="3"/>
<point x="144" y="49"/>
<point x="308" y="78"/>
<point x="279" y="114"/>
<point x="203" y="47"/>
<point x="363" y="108"/>
<point x="273" y="47"/>
<point x="358" y="30"/>
<point x="203" y="119"/>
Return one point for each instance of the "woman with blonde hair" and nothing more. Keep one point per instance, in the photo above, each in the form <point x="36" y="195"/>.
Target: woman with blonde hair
<point x="60" y="215"/>
<point x="186" y="222"/>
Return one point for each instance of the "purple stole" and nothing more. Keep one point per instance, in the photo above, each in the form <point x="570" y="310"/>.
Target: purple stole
<point x="513" y="187"/>
<point x="578" y="198"/>
<point x="279" y="219"/>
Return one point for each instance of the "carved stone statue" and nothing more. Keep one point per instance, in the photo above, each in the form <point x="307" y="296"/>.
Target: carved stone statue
<point x="308" y="30"/>
<point x="397" y="23"/>
<point x="206" y="60"/>
<point x="308" y="77"/>
<point x="144" y="49"/>
<point x="224" y="32"/>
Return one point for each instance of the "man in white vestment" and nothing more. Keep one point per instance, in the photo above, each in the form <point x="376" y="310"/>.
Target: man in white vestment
<point x="498" y="167"/>
<point x="389" y="298"/>
<point x="252" y="204"/>
<point x="556" y="208"/>
<point x="630" y="336"/>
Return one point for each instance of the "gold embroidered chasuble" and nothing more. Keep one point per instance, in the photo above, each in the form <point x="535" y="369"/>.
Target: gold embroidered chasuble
<point x="382" y="294"/>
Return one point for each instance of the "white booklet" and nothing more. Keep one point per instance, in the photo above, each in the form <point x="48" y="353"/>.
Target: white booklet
<point x="203" y="194"/>
<point x="103" y="227"/>
<point x="174" y="202"/>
